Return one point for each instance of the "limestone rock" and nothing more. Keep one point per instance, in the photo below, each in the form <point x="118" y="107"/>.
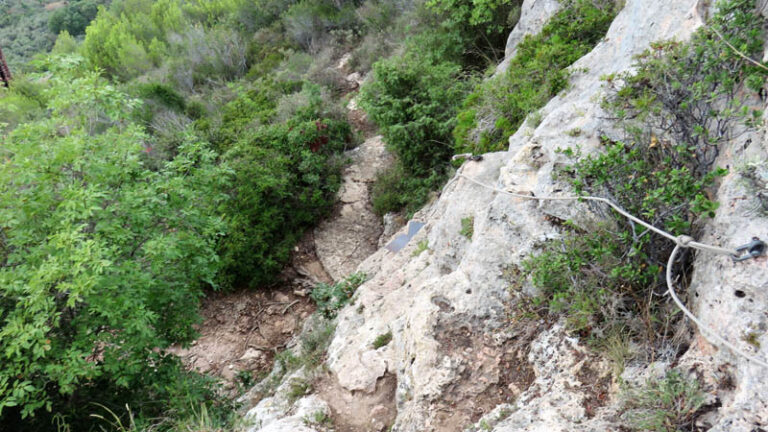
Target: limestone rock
<point x="534" y="15"/>
<point x="343" y="241"/>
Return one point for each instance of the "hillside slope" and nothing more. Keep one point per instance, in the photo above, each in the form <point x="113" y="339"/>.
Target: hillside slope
<point x="459" y="355"/>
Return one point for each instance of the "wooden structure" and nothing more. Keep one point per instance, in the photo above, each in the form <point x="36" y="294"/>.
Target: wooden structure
<point x="5" y="73"/>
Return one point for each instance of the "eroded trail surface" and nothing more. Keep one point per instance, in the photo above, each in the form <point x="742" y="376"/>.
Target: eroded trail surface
<point x="243" y="330"/>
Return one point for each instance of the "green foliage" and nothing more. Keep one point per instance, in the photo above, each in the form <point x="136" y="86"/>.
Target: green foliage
<point x="330" y="298"/>
<point x="568" y="283"/>
<point x="163" y="94"/>
<point x="74" y="17"/>
<point x="647" y="181"/>
<point x="382" y="340"/>
<point x="131" y="37"/>
<point x="421" y="247"/>
<point x="669" y="404"/>
<point x="103" y="260"/>
<point x="395" y="189"/>
<point x="413" y="102"/>
<point x="488" y="15"/>
<point x="467" y="227"/>
<point x="285" y="179"/>
<point x="24" y="31"/>
<point x="497" y="107"/>
<point x="691" y="90"/>
<point x="24" y="101"/>
<point x="318" y="418"/>
<point x="312" y="346"/>
<point x="298" y="389"/>
<point x="65" y="44"/>
<point x="611" y="278"/>
<point x="308" y="22"/>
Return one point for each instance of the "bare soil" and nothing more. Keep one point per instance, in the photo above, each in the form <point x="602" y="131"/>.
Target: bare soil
<point x="243" y="330"/>
<point x="358" y="411"/>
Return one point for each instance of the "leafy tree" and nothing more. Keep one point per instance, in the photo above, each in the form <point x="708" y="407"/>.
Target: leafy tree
<point x="74" y="18"/>
<point x="102" y="261"/>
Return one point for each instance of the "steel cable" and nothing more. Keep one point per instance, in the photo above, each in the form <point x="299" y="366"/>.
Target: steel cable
<point x="680" y="242"/>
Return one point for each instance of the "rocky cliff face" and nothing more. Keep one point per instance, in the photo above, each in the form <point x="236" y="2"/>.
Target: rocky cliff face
<point x="456" y="359"/>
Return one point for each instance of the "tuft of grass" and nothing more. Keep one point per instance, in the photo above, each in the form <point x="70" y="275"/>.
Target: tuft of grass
<point x="382" y="340"/>
<point x="670" y="404"/>
<point x="615" y="346"/>
<point x="467" y="227"/>
<point x="330" y="298"/>
<point x="573" y="132"/>
<point x="318" y="418"/>
<point x="421" y="247"/>
<point x="298" y="389"/>
<point x="751" y="338"/>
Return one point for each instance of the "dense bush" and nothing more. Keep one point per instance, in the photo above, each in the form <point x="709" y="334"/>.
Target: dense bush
<point x="286" y="178"/>
<point x="74" y="17"/>
<point x="494" y="111"/>
<point x="413" y="101"/>
<point x="483" y="25"/>
<point x="685" y="97"/>
<point x="395" y="189"/>
<point x="24" y="31"/>
<point x="102" y="261"/>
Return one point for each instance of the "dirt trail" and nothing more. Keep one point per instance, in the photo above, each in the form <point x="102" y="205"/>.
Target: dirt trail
<point x="242" y="331"/>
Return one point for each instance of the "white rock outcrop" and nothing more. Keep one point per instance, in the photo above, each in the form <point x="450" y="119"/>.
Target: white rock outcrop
<point x="534" y="15"/>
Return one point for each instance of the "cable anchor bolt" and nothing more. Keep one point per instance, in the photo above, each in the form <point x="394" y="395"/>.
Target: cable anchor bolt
<point x="755" y="248"/>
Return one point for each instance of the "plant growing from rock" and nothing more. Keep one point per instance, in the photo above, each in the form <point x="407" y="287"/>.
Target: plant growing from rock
<point x="669" y="404"/>
<point x="382" y="340"/>
<point x="538" y="72"/>
<point x="612" y="277"/>
<point x="467" y="227"/>
<point x="330" y="298"/>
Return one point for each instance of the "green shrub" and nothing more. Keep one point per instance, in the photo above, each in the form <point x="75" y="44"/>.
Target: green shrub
<point x="395" y="189"/>
<point x="670" y="404"/>
<point x="330" y="298"/>
<point x="691" y="90"/>
<point x="309" y="22"/>
<point x="24" y="31"/>
<point x="612" y="277"/>
<point x="413" y="102"/>
<point x="103" y="261"/>
<point x="164" y="95"/>
<point x="74" y="17"/>
<point x="483" y="26"/>
<point x="22" y="102"/>
<point x="285" y="179"/>
<point x="497" y="107"/>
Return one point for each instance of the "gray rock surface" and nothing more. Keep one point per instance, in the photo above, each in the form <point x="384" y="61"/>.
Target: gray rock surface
<point x="344" y="240"/>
